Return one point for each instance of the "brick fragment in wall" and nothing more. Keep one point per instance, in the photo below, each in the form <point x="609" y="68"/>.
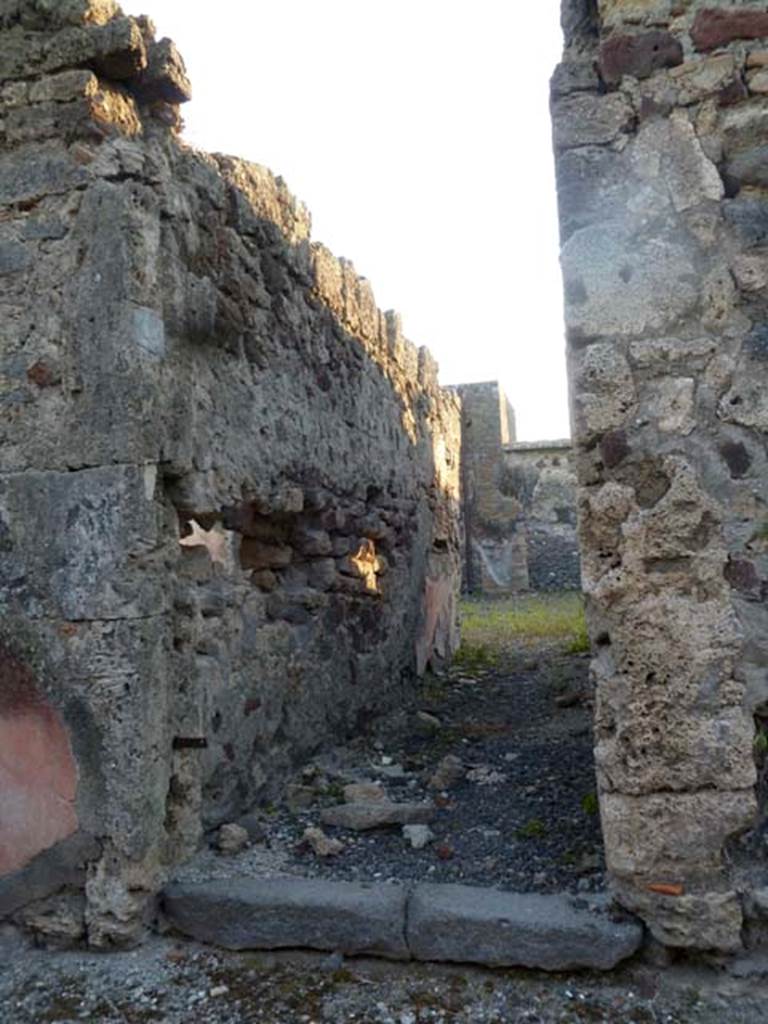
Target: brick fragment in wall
<point x="638" y="55"/>
<point x="713" y="27"/>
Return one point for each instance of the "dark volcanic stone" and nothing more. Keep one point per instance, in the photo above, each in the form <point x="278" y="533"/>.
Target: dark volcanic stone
<point x="742" y="575"/>
<point x="712" y="28"/>
<point x="614" y="448"/>
<point x="278" y="913"/>
<point x="579" y="20"/>
<point x="749" y="217"/>
<point x="733" y="93"/>
<point x="165" y="77"/>
<point x="749" y="167"/>
<point x="472" y="925"/>
<point x="638" y="55"/>
<point x="64" y="864"/>
<point x="736" y="457"/>
<point x="756" y="342"/>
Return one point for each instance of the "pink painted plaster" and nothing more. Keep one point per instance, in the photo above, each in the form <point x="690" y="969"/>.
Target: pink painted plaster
<point x="38" y="774"/>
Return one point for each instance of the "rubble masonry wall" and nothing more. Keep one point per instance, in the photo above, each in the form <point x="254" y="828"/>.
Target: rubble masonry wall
<point x="228" y="483"/>
<point x="660" y="112"/>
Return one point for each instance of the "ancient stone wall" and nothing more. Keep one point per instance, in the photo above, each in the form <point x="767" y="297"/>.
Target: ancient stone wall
<point x="540" y="475"/>
<point x="494" y="546"/>
<point x="518" y="501"/>
<point x="660" y="131"/>
<point x="228" y="484"/>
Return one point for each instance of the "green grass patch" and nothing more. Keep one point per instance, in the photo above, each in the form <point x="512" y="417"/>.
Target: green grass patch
<point x="475" y="657"/>
<point x="491" y="627"/>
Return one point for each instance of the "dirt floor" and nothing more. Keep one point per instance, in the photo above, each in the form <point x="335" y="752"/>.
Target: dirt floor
<point x="166" y="982"/>
<point x="513" y="713"/>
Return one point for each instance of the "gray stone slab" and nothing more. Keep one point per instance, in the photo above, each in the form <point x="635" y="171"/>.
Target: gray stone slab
<point x="60" y="865"/>
<point x="504" y="929"/>
<point x="296" y="913"/>
<point x="361" y="816"/>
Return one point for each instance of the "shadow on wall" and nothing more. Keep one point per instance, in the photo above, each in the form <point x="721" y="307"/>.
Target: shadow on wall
<point x="246" y="476"/>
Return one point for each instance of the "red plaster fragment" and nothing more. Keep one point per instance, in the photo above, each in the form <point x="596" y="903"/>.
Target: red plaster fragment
<point x="38" y="775"/>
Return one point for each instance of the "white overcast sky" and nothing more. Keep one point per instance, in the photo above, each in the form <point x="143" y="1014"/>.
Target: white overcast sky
<point x="417" y="133"/>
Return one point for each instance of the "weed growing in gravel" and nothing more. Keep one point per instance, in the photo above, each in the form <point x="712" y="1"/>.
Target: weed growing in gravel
<point x="533" y="829"/>
<point x="475" y="657"/>
<point x="580" y="642"/>
<point x="492" y="627"/>
<point x="589" y="803"/>
<point x="761" y="743"/>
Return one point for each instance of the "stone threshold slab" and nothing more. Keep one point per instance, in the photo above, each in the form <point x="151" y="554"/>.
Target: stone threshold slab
<point x="458" y="923"/>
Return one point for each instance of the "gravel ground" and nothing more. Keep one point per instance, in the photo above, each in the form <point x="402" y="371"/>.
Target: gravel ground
<point x="524" y="817"/>
<point x="167" y="983"/>
<point x="504" y="719"/>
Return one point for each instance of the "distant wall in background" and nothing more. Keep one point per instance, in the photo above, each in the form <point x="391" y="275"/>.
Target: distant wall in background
<point x="518" y="501"/>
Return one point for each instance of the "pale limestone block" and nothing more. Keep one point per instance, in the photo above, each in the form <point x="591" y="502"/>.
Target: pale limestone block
<point x="702" y="920"/>
<point x="619" y="285"/>
<point x="672" y="637"/>
<point x="668" y="154"/>
<point x="758" y="82"/>
<point x="606" y="396"/>
<point x="667" y="837"/>
<point x="584" y="119"/>
<point x="658" y="745"/>
<point x="664" y="352"/>
<point x="751" y="272"/>
<point x="673" y="405"/>
<point x="719" y="298"/>
<point x="746" y="402"/>
<point x="615" y="13"/>
<point x="697" y="79"/>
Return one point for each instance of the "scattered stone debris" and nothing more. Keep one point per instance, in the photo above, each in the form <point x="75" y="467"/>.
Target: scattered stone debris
<point x="448" y="773"/>
<point x="255" y="826"/>
<point x="377" y="814"/>
<point x="538" y="831"/>
<point x="364" y="792"/>
<point x="298" y="798"/>
<point x="232" y="839"/>
<point x="484" y="775"/>
<point x="418" y="836"/>
<point x="425" y="723"/>
<point x="322" y="844"/>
